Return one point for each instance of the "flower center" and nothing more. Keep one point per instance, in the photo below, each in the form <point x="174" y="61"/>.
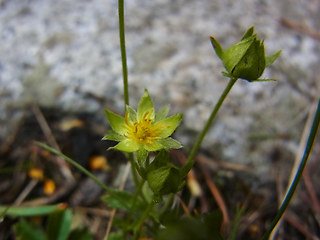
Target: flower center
<point x="143" y="130"/>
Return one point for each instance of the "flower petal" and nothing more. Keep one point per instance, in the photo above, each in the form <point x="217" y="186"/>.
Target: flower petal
<point x="154" y="146"/>
<point x="170" y="124"/>
<point x="127" y="145"/>
<point x="169" y="143"/>
<point x="162" y="113"/>
<point x="112" y="135"/>
<point x="116" y="122"/>
<point x="132" y="113"/>
<point x="145" y="105"/>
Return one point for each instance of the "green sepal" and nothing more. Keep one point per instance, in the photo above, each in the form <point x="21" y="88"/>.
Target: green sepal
<point x="271" y="58"/>
<point x="145" y="105"/>
<point x="153" y="147"/>
<point x="245" y="59"/>
<point x="248" y="33"/>
<point x="112" y="135"/>
<point x="170" y="124"/>
<point x="162" y="113"/>
<point x="131" y="113"/>
<point x="116" y="122"/>
<point x="126" y="145"/>
<point x="217" y="47"/>
<point x="169" y="143"/>
<point x="264" y="80"/>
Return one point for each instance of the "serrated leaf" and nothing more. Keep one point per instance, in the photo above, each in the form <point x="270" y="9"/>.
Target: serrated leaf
<point x="28" y="231"/>
<point x="59" y="224"/>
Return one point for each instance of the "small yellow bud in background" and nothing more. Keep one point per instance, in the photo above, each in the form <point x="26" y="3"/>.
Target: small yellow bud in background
<point x="49" y="187"/>
<point x="99" y="163"/>
<point x="36" y="173"/>
<point x="193" y="185"/>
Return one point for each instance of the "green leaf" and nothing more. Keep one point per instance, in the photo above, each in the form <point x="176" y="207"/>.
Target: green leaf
<point x="112" y="135"/>
<point x="248" y="33"/>
<point x="29" y="211"/>
<point x="126" y="145"/>
<point x="80" y="234"/>
<point x="122" y="200"/>
<point x="169" y="125"/>
<point x="270" y="59"/>
<point x="28" y="231"/>
<point x="217" y="47"/>
<point x="59" y="224"/>
<point x="164" y="180"/>
<point x="142" y="155"/>
<point x="170" y="143"/>
<point x="116" y="122"/>
<point x="145" y="105"/>
<point x="160" y="160"/>
<point x="161" y="114"/>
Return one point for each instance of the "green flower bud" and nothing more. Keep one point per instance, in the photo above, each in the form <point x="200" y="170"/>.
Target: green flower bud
<point x="245" y="59"/>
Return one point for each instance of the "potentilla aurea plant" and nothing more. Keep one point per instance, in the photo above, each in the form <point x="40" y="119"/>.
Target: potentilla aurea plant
<point x="144" y="130"/>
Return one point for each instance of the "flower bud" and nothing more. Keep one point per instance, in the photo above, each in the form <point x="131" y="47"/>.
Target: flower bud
<point x="245" y="59"/>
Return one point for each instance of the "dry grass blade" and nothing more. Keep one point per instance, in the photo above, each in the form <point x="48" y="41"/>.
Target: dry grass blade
<point x="299" y="156"/>
<point x="114" y="211"/>
<point x="300" y="28"/>
<point x="218" y="197"/>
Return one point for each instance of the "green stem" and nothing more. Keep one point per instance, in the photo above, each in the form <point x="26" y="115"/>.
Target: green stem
<point x="143" y="218"/>
<point x="285" y="204"/>
<point x="134" y="170"/>
<point x="194" y="150"/>
<point x="123" y="52"/>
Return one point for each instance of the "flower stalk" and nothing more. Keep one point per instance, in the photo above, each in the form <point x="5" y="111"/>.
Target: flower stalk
<point x="196" y="146"/>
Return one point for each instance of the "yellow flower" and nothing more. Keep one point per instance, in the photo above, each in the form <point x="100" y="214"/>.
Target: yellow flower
<point x="143" y="130"/>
